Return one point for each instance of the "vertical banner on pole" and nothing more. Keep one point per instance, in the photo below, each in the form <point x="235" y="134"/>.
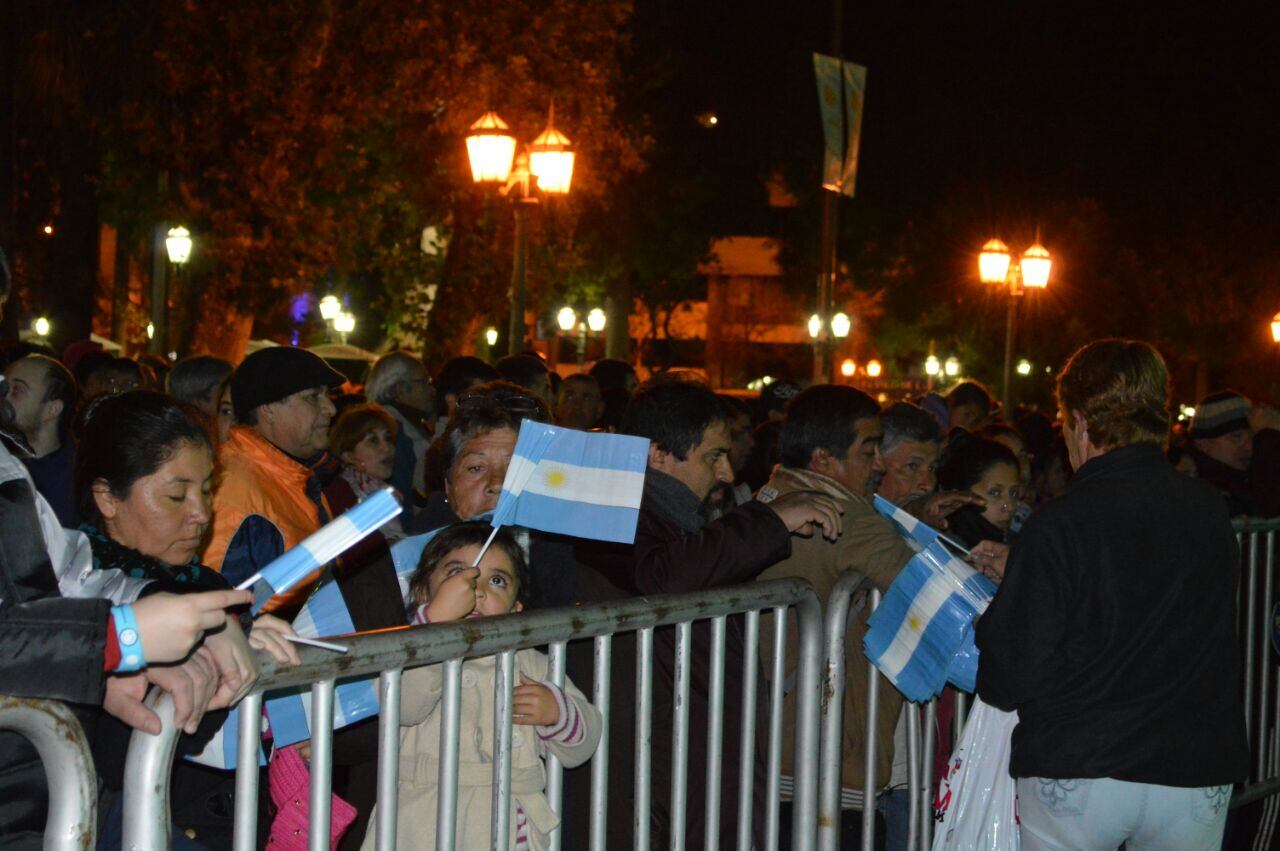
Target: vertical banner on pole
<point x="855" y="92"/>
<point x="827" y="69"/>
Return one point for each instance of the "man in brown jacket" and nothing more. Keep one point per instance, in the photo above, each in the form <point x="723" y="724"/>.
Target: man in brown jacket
<point x="830" y="444"/>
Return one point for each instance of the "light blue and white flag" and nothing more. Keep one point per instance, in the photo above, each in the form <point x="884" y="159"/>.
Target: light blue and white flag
<point x="322" y="546"/>
<point x="584" y="484"/>
<point x="921" y="634"/>
<point x="910" y="527"/>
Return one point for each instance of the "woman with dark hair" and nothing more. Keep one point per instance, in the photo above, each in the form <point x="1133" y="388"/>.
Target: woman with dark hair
<point x="1113" y="634"/>
<point x="144" y="472"/>
<point x="989" y="470"/>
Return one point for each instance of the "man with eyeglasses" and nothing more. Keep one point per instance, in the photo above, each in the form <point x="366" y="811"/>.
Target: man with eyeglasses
<point x="269" y="498"/>
<point x="399" y="382"/>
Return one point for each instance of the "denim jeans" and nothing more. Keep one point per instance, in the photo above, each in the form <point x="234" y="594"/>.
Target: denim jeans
<point x="1101" y="813"/>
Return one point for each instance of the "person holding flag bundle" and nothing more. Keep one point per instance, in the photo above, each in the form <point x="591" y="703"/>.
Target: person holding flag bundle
<point x="1113" y="632"/>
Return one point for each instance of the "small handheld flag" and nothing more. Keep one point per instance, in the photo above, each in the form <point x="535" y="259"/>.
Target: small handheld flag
<point x="913" y="527"/>
<point x="322" y="547"/>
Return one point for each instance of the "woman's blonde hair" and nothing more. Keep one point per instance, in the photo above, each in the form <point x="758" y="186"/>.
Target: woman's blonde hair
<point x="1121" y="387"/>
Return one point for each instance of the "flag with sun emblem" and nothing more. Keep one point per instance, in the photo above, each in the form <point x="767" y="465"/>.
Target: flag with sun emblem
<point x="579" y="483"/>
<point x="921" y="634"/>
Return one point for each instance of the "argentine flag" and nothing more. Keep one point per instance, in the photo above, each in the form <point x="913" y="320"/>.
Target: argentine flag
<point x="322" y="547"/>
<point x="584" y="484"/>
<point x="921" y="635"/>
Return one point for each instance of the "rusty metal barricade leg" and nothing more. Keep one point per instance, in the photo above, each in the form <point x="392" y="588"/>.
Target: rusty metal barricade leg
<point x="680" y="737"/>
<point x="72" y="822"/>
<point x="926" y="774"/>
<point x="148" y="766"/>
<point x="447" y="797"/>
<point x="778" y="676"/>
<point x="388" y="760"/>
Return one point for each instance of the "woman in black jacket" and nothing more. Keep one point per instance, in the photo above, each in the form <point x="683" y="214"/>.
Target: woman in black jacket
<point x="1113" y="633"/>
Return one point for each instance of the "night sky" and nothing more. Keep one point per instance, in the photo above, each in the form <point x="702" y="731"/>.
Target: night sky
<point x="1004" y="103"/>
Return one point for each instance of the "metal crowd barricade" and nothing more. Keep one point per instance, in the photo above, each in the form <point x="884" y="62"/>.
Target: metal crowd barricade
<point x="1256" y="625"/>
<point x="72" y="822"/>
<point x="387" y="653"/>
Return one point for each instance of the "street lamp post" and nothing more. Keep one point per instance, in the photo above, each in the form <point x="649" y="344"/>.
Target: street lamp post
<point x="546" y="169"/>
<point x="839" y="327"/>
<point x="995" y="266"/>
<point x="177" y="245"/>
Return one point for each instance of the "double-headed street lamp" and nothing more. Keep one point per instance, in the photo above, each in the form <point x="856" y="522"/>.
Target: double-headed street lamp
<point x="567" y="318"/>
<point x="335" y="318"/>
<point x="995" y="266"/>
<point x="546" y="168"/>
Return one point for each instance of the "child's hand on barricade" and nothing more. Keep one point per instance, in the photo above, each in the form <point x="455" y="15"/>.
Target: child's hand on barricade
<point x="456" y="597"/>
<point x="534" y="704"/>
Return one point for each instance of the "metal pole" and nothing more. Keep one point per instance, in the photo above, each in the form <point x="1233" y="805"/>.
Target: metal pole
<point x="1011" y="319"/>
<point x="869" y="748"/>
<point x="747" y="745"/>
<point x="715" y="718"/>
<point x="321" y="766"/>
<point x="600" y="761"/>
<point x="504" y="675"/>
<point x="447" y="784"/>
<point x="555" y="773"/>
<point x="388" y="760"/>
<point x="515" y="328"/>
<point x="644" y="734"/>
<point x="248" y="750"/>
<point x="159" y="292"/>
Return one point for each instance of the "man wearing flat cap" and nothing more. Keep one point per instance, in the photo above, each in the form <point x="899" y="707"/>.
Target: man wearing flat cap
<point x="268" y="499"/>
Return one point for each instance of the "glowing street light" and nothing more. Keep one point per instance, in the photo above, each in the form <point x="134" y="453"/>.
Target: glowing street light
<point x="344" y="323"/>
<point x="931" y="365"/>
<point x="995" y="266"/>
<point x="491" y="336"/>
<point x="815" y="326"/>
<point x="840" y="325"/>
<point x="874" y="369"/>
<point x="952" y="367"/>
<point x="151" y="330"/>
<point x="1275" y="328"/>
<point x="178" y="244"/>
<point x="330" y="307"/>
<point x="490" y="149"/>
<point x="848" y="368"/>
<point x="567" y="319"/>
<point x="1024" y="367"/>
<point x="1036" y="264"/>
<point x="551" y="158"/>
<point x="993" y="262"/>
<point x="41" y="326"/>
<point x="596" y="320"/>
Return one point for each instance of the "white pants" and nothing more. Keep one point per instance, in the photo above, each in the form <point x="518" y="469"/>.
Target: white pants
<point x="1099" y="814"/>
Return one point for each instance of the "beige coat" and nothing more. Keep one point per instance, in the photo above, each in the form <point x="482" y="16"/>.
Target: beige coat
<point x="870" y="545"/>
<point x="420" y="744"/>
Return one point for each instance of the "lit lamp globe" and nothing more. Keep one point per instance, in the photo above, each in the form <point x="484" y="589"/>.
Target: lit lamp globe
<point x="993" y="262"/>
<point x="178" y="244"/>
<point x="1275" y="328"/>
<point x="952" y="367"/>
<point x="874" y="368"/>
<point x="1024" y="367"/>
<point x="815" y="326"/>
<point x="566" y="319"/>
<point x="931" y="365"/>
<point x="840" y="325"/>
<point x="344" y="323"/>
<point x="491" y="336"/>
<point x="551" y="159"/>
<point x="596" y="319"/>
<point x="848" y="367"/>
<point x="1036" y="264"/>
<point x="330" y="307"/>
<point x="490" y="149"/>
<point x="41" y="326"/>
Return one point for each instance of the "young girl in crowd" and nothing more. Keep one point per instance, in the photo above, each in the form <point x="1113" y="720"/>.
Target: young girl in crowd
<point x="990" y="470"/>
<point x="446" y="588"/>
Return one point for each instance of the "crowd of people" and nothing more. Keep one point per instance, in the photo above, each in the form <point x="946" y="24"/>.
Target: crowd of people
<point x="134" y="495"/>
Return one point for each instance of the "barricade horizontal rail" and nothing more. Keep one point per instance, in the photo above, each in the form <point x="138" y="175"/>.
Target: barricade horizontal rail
<point x="388" y="652"/>
<point x="72" y="822"/>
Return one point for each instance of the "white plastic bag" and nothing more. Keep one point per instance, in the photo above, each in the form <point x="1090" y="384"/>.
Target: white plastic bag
<point x="977" y="803"/>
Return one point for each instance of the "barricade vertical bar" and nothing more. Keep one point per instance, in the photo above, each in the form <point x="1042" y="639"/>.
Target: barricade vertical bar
<point x="644" y="734"/>
<point x="869" y="765"/>
<point x="680" y="737"/>
<point x="321" y="765"/>
<point x="831" y="760"/>
<point x="808" y="722"/>
<point x="600" y="762"/>
<point x="778" y="676"/>
<point x="962" y="714"/>
<point x="504" y="674"/>
<point x="388" y="759"/>
<point x="147" y="767"/>
<point x="926" y="772"/>
<point x="447" y="795"/>
<point x="715" y="742"/>
<point x="555" y="772"/>
<point x="747" y="748"/>
<point x="1264" y="687"/>
<point x="913" y="773"/>
<point x="1251" y="635"/>
<point x="1240" y="584"/>
<point x="248" y="746"/>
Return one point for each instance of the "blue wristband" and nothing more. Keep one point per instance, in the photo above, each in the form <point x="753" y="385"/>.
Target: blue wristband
<point x="131" y="658"/>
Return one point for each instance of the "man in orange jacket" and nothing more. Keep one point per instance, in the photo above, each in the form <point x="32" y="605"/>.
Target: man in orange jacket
<point x="269" y="498"/>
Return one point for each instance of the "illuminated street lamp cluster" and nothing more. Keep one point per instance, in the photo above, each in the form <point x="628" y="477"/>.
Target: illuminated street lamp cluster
<point x="567" y="318"/>
<point x="996" y="266"/>
<point x="336" y="318"/>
